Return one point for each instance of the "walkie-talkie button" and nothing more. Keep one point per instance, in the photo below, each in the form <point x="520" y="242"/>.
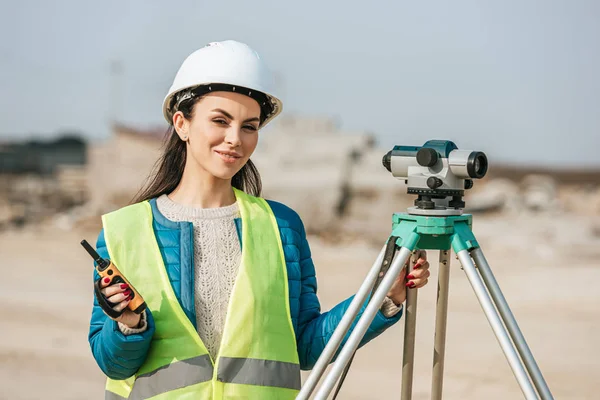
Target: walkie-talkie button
<point x="109" y="272"/>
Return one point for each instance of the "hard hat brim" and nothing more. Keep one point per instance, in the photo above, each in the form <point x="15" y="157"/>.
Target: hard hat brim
<point x="168" y="114"/>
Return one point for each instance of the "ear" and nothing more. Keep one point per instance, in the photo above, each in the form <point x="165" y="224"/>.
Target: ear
<point x="181" y="125"/>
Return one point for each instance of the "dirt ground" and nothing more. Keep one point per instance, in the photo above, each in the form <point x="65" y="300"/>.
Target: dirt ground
<point x="548" y="268"/>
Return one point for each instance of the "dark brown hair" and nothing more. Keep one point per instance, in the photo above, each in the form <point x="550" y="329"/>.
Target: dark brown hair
<point x="169" y="167"/>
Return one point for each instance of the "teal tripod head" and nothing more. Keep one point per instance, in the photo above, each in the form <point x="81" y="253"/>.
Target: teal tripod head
<point x="438" y="173"/>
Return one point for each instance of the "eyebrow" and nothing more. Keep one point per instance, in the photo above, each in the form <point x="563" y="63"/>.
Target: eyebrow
<point x="225" y="113"/>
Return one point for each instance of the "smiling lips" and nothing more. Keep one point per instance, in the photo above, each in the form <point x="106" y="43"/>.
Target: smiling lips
<point x="229" y="157"/>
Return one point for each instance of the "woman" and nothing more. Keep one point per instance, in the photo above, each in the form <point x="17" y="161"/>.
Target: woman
<point x="227" y="276"/>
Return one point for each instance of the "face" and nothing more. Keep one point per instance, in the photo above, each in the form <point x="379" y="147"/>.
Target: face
<point x="222" y="133"/>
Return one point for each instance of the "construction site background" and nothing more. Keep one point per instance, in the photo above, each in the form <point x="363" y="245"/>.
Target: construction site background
<point x="540" y="230"/>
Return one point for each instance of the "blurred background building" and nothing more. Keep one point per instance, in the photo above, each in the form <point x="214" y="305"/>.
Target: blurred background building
<point x="333" y="178"/>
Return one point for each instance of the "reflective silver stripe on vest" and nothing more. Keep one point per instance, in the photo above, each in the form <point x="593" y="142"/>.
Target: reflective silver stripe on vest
<point x="248" y="371"/>
<point x="251" y="371"/>
<point x="170" y="377"/>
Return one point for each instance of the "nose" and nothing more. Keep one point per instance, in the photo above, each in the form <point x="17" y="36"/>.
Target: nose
<point x="233" y="136"/>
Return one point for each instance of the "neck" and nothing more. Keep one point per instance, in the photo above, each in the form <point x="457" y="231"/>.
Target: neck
<point x="198" y="188"/>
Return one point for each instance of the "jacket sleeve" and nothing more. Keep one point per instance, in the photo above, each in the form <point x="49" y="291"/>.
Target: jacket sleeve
<point x="118" y="356"/>
<point x="315" y="328"/>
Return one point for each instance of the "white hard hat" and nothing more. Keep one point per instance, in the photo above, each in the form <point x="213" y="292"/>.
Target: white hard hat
<point x="231" y="65"/>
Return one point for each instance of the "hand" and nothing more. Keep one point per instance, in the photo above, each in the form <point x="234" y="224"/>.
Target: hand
<point x="417" y="279"/>
<point x="120" y="295"/>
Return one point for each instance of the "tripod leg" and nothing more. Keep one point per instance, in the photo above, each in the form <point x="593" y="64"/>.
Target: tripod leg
<point x="496" y="324"/>
<point x="341" y="330"/>
<point x="363" y="324"/>
<point x="408" y="352"/>
<point x="440" y="325"/>
<point x="511" y="324"/>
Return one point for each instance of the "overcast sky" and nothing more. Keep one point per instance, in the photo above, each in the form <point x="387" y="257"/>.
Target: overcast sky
<point x="517" y="79"/>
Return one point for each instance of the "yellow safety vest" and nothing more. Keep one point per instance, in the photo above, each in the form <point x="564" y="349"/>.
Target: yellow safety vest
<point x="258" y="358"/>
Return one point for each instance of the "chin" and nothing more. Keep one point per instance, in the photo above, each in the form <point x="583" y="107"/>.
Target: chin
<point x="225" y="174"/>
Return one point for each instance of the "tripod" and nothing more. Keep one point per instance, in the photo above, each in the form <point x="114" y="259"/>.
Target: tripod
<point x="439" y="229"/>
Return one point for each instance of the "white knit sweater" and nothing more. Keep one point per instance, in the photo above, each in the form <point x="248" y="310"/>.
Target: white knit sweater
<point x="217" y="256"/>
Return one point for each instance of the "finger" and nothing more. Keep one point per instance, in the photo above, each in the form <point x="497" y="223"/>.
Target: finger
<point x="416" y="254"/>
<point x="121" y="305"/>
<point x="421" y="256"/>
<point x="119" y="297"/>
<point x="104" y="282"/>
<point x="421" y="263"/>
<point x="422" y="283"/>
<point x="416" y="283"/>
<point x="413" y="281"/>
<point x="418" y="268"/>
<point x="418" y="273"/>
<point x="114" y="289"/>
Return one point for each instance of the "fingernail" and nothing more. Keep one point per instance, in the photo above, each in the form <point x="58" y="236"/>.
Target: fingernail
<point x="124" y="286"/>
<point x="127" y="292"/>
<point x="106" y="280"/>
<point x="410" y="285"/>
<point x="410" y="276"/>
<point x="417" y="265"/>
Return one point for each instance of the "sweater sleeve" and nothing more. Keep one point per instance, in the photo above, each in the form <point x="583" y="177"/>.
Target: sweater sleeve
<point x="389" y="309"/>
<point x="142" y="326"/>
<point x="119" y="356"/>
<point x="314" y="327"/>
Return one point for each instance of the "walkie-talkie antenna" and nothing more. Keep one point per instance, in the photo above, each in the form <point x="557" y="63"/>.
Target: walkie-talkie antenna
<point x="102" y="263"/>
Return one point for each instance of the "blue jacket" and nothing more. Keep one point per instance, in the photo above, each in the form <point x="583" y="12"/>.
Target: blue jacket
<point x="120" y="356"/>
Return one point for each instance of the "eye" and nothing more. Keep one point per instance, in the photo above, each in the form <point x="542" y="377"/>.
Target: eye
<point x="220" y="121"/>
<point x="250" y="128"/>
